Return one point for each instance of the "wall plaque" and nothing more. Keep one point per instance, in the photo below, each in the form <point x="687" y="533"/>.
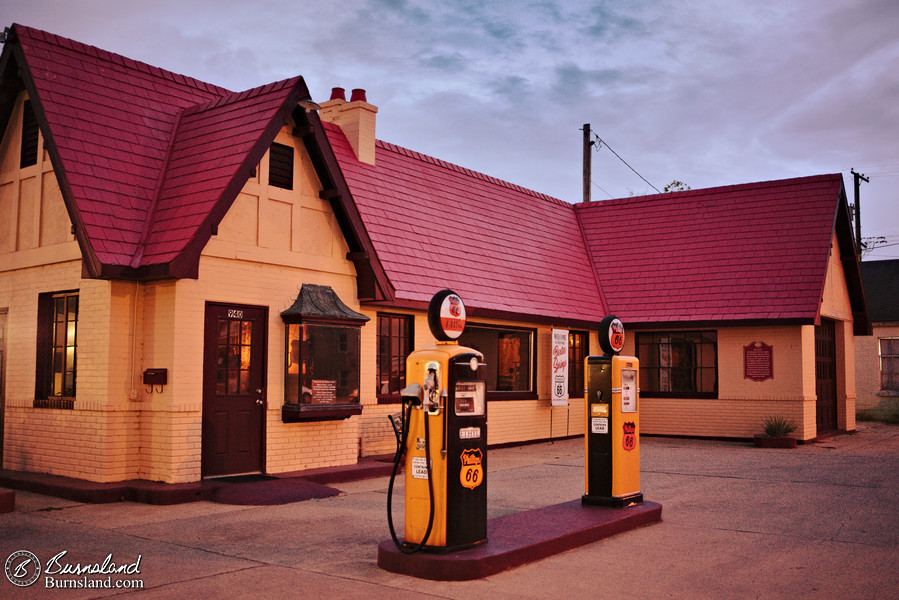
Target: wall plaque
<point x="324" y="391"/>
<point x="758" y="361"/>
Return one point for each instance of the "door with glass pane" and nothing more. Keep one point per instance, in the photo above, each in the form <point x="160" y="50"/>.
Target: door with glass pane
<point x="233" y="389"/>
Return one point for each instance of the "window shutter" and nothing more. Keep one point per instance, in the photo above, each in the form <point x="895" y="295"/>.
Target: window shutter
<point x="280" y="166"/>
<point x="28" y="156"/>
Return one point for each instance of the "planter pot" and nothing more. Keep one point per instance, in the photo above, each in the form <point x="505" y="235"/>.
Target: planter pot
<point x="764" y="441"/>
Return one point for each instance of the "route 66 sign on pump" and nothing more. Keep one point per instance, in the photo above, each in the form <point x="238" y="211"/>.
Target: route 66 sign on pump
<point x="472" y="472"/>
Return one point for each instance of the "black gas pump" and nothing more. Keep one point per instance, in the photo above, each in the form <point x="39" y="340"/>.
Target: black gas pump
<point x="442" y="432"/>
<point x="612" y="437"/>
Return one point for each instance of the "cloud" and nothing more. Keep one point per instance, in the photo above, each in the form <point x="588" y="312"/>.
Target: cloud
<point x="710" y="92"/>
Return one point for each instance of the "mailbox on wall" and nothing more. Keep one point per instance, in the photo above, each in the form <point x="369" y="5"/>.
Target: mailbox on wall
<point x="156" y="377"/>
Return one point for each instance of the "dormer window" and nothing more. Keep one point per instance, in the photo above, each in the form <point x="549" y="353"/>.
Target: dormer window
<point x="28" y="156"/>
<point x="280" y="166"/>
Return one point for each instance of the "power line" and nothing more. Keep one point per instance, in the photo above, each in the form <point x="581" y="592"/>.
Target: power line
<point x="600" y="187"/>
<point x="601" y="142"/>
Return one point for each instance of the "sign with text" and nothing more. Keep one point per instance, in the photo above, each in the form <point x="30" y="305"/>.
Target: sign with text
<point x="560" y="367"/>
<point x="758" y="361"/>
<point x="324" y="391"/>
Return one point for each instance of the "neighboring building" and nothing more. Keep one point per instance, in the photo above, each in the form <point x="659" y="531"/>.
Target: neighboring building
<point x="877" y="357"/>
<point x="196" y="282"/>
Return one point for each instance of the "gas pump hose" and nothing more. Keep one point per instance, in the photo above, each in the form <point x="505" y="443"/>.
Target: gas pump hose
<point x="401" y="449"/>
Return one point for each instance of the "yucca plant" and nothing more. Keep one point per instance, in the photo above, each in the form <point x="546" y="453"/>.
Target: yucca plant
<point x="778" y="426"/>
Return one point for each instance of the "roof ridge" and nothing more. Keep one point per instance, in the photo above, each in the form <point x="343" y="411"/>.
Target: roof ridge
<point x="124" y="61"/>
<point x="721" y="189"/>
<point x="420" y="156"/>
<point x="233" y="97"/>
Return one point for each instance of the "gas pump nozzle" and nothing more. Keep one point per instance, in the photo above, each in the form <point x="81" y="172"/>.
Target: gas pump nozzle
<point x="413" y="394"/>
<point x="431" y="385"/>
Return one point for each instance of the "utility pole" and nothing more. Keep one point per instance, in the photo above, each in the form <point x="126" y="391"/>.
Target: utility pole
<point x="858" y="211"/>
<point x="587" y="164"/>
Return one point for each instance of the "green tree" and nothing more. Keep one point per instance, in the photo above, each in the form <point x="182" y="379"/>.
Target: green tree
<point x="676" y="186"/>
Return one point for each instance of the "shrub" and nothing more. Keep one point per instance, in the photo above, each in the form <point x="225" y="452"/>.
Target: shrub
<point x="778" y="426"/>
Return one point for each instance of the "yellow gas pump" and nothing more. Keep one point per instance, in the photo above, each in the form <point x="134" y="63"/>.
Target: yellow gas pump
<point x="444" y="439"/>
<point x="612" y="437"/>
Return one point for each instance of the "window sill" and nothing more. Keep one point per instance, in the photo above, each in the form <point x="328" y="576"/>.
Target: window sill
<point x="55" y="402"/>
<point x="311" y="414"/>
<point x="390" y="399"/>
<point x="681" y="395"/>
<point x="494" y="395"/>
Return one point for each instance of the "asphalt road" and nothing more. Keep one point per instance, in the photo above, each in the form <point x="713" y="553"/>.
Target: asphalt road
<point x="820" y="521"/>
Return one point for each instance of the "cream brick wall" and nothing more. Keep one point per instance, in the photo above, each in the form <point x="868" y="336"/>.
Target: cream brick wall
<point x="90" y="441"/>
<point x="87" y="444"/>
<point x="298" y="446"/>
<point x="724" y="417"/>
<point x="170" y="445"/>
<point x="99" y="439"/>
<point x="742" y="404"/>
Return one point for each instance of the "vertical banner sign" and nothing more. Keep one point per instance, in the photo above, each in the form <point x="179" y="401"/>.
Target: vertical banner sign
<point x="560" y="368"/>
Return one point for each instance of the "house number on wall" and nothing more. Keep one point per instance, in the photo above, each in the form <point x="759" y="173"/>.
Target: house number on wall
<point x="235" y="314"/>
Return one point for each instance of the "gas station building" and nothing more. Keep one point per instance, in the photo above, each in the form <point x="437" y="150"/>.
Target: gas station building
<point x="196" y="282"/>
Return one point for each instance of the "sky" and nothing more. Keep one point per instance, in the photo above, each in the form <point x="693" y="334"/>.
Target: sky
<point x="706" y="92"/>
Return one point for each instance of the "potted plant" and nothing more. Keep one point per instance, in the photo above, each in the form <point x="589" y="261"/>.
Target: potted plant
<point x="776" y="434"/>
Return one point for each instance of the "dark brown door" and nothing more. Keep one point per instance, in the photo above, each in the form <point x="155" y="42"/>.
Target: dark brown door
<point x="826" y="375"/>
<point x="233" y="389"/>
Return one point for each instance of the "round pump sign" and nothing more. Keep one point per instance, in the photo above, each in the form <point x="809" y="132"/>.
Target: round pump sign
<point x="446" y="315"/>
<point x="611" y="335"/>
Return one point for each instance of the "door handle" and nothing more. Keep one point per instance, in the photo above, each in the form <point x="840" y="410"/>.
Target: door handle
<point x="259" y="401"/>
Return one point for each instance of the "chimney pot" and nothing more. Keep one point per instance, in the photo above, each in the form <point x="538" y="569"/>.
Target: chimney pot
<point x="358" y="94"/>
<point x="338" y="93"/>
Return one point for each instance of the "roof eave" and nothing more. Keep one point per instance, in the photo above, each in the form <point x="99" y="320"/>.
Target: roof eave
<point x="716" y="323"/>
<point x="851" y="269"/>
<point x="92" y="266"/>
<point x="473" y="311"/>
<point x="373" y="284"/>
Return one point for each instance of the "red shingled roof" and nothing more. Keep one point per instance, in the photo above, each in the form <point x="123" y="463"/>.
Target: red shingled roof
<point x="745" y="252"/>
<point x="503" y="248"/>
<point x="144" y="156"/>
<point x="149" y="162"/>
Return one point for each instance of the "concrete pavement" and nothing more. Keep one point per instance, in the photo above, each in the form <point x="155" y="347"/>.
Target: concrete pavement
<point x="820" y="521"/>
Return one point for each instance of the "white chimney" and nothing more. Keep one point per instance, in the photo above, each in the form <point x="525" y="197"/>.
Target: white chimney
<point x="356" y="118"/>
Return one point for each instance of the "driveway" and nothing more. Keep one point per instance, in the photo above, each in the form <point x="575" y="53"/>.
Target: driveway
<point x="820" y="521"/>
